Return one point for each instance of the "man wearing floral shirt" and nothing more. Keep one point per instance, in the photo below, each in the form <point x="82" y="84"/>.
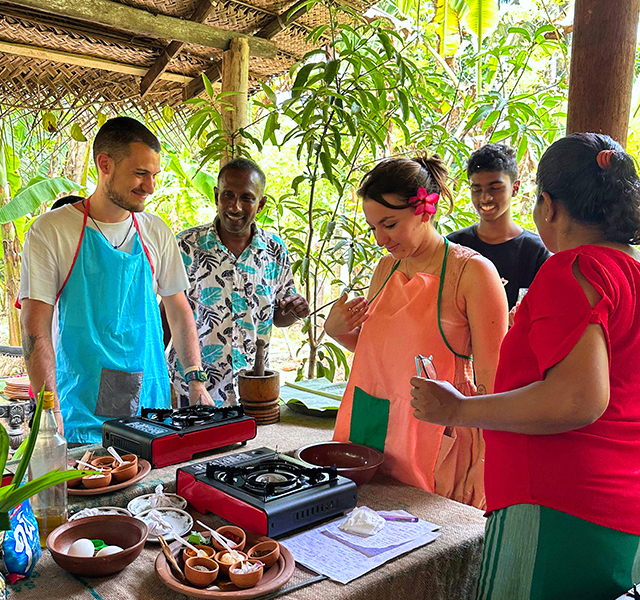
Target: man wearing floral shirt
<point x="240" y="282"/>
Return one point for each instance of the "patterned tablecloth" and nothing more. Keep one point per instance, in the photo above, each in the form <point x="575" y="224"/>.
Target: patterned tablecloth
<point x="446" y="569"/>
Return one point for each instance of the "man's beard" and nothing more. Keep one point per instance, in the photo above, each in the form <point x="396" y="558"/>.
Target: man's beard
<point x="119" y="200"/>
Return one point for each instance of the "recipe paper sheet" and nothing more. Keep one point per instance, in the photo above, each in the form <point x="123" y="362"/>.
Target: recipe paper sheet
<point x="344" y="557"/>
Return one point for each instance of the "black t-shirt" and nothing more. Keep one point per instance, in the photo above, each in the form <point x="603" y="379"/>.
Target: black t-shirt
<point x="517" y="260"/>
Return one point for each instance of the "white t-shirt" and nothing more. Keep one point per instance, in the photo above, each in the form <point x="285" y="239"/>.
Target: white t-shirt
<point x="52" y="240"/>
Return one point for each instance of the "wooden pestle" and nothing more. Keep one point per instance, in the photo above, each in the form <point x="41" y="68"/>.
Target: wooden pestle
<point x="258" y="365"/>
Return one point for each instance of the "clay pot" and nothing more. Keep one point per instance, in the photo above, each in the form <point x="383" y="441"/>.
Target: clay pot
<point x="74" y="483"/>
<point x="188" y="553"/>
<point x="104" y="461"/>
<point x="91" y="481"/>
<point x="200" y="578"/>
<point x="129" y="458"/>
<point x="246" y="580"/>
<point x="224" y="566"/>
<point x="125" y="472"/>
<point x="235" y="535"/>
<point x="266" y="552"/>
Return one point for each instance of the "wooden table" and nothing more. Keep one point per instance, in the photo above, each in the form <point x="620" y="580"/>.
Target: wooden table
<point x="445" y="569"/>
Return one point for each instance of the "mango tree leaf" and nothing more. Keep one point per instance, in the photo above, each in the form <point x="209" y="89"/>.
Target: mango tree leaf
<point x="167" y="113"/>
<point x="101" y="118"/>
<point x="40" y="189"/>
<point x="49" y="122"/>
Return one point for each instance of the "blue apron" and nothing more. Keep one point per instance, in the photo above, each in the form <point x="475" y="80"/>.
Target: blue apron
<point x="110" y="354"/>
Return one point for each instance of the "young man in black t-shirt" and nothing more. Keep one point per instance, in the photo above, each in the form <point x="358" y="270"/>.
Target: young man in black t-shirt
<point x="517" y="253"/>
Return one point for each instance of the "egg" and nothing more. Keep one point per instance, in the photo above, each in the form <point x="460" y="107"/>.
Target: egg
<point x="82" y="548"/>
<point x="107" y="550"/>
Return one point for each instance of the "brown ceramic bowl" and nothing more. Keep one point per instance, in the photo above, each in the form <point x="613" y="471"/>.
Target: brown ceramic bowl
<point x="224" y="566"/>
<point x="92" y="482"/>
<point x="74" y="483"/>
<point x="129" y="458"/>
<point x="234" y="534"/>
<point x="188" y="553"/>
<point x="125" y="472"/>
<point x="266" y="552"/>
<point x="246" y="580"/>
<point x="104" y="461"/>
<point x="201" y="578"/>
<point x="115" y="530"/>
<point x="358" y="463"/>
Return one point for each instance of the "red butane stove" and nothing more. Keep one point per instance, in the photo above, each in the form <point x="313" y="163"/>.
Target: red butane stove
<point x="170" y="436"/>
<point x="266" y="492"/>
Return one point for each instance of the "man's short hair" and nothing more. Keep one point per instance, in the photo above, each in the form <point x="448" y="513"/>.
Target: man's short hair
<point x="116" y="135"/>
<point x="244" y="164"/>
<point x="494" y="157"/>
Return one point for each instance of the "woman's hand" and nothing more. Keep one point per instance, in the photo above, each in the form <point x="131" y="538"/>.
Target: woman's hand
<point x="435" y="401"/>
<point x="345" y="316"/>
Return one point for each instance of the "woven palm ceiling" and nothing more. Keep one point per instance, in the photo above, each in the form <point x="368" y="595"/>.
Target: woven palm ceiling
<point x="62" y="53"/>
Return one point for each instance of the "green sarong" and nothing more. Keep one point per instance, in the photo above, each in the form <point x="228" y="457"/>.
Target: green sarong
<point x="537" y="553"/>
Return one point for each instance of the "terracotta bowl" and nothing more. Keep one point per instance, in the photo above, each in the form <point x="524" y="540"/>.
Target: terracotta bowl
<point x="245" y="580"/>
<point x="125" y="472"/>
<point x="224" y="566"/>
<point x="103" y="461"/>
<point x="188" y="553"/>
<point x="358" y="463"/>
<point x="92" y="482"/>
<point x="129" y="458"/>
<point x="115" y="530"/>
<point x="74" y="483"/>
<point x="233" y="534"/>
<point x="266" y="552"/>
<point x="201" y="578"/>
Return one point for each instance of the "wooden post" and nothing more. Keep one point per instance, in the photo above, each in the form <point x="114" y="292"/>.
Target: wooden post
<point x="235" y="78"/>
<point x="602" y="60"/>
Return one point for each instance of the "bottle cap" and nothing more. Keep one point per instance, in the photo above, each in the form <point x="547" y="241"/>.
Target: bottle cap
<point x="47" y="401"/>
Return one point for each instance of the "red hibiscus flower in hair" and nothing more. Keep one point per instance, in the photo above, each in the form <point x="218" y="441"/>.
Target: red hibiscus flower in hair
<point x="425" y="204"/>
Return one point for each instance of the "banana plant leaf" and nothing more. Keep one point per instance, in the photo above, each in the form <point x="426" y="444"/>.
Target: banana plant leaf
<point x="482" y="17"/>
<point x="40" y="189"/>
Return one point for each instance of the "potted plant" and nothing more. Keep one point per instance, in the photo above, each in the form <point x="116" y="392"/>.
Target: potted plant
<point x="14" y="494"/>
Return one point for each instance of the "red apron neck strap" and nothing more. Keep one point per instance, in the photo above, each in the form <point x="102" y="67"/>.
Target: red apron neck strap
<point x="75" y="257"/>
<point x="144" y="246"/>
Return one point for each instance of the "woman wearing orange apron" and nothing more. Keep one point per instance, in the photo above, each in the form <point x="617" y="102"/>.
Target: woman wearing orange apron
<point x="431" y="298"/>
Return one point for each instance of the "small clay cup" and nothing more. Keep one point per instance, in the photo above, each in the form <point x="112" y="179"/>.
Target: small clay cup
<point x="235" y="535"/>
<point x="188" y="553"/>
<point x="74" y="483"/>
<point x="224" y="566"/>
<point x="200" y="578"/>
<point x="129" y="458"/>
<point x="246" y="580"/>
<point x="125" y="472"/>
<point x="104" y="461"/>
<point x="271" y="548"/>
<point x="91" y="482"/>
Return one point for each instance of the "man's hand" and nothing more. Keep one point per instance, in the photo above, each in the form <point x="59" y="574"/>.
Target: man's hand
<point x="295" y="304"/>
<point x="198" y="391"/>
<point x="291" y="308"/>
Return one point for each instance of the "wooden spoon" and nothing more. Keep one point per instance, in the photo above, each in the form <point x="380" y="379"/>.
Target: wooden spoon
<point x="171" y="558"/>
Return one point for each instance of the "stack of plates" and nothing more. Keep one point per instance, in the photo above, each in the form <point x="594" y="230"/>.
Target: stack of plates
<point x="17" y="388"/>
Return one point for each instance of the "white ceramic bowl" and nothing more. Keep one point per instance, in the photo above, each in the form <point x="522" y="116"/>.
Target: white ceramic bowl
<point x="143" y="503"/>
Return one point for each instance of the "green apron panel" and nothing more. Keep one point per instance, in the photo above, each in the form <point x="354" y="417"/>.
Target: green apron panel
<point x="369" y="420"/>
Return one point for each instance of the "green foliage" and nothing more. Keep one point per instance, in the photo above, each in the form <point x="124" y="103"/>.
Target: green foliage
<point x="11" y="495"/>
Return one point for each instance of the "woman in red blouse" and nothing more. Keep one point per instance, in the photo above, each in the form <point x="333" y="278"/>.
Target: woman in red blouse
<point x="562" y="431"/>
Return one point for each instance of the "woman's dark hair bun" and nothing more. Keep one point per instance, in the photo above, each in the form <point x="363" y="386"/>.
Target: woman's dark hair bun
<point x="569" y="171"/>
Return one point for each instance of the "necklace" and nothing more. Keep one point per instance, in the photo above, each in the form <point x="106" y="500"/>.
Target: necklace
<point x="405" y="266"/>
<point x="105" y="237"/>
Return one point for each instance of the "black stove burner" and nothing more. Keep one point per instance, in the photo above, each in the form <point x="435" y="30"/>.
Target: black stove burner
<point x="271" y="477"/>
<point x="191" y="416"/>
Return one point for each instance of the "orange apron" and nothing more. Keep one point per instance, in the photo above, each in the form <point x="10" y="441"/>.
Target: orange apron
<point x="376" y="410"/>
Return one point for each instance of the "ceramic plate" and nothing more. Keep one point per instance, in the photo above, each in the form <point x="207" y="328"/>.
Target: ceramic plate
<point x="179" y="519"/>
<point x="101" y="510"/>
<point x="143" y="503"/>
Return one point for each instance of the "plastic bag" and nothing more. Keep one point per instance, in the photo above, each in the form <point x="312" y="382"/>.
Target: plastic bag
<point x="20" y="546"/>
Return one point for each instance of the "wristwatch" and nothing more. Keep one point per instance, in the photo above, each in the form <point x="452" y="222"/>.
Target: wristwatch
<point x="195" y="375"/>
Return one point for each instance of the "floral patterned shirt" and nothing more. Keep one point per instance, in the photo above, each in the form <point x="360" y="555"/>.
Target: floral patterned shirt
<point x="233" y="300"/>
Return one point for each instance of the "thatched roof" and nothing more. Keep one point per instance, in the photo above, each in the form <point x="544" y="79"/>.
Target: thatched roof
<point x="57" y="53"/>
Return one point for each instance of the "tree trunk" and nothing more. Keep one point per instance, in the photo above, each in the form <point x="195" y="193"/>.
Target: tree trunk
<point x="602" y="62"/>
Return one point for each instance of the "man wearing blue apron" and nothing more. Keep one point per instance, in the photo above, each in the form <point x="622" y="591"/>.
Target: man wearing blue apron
<point x="103" y="261"/>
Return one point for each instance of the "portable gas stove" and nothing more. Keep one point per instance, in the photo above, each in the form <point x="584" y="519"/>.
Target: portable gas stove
<point x="266" y="492"/>
<point x="169" y="436"/>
